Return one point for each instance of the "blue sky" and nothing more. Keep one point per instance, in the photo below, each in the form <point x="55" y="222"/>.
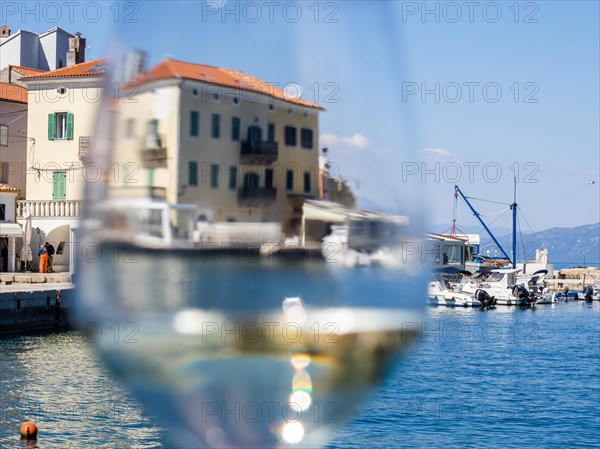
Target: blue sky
<point x="533" y="75"/>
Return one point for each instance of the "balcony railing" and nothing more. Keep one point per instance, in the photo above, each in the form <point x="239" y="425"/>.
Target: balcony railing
<point x="256" y="196"/>
<point x="154" y="153"/>
<point x="158" y="193"/>
<point x="259" y="152"/>
<point x="50" y="208"/>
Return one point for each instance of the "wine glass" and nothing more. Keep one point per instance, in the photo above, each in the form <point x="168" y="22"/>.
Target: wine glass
<point x="258" y="266"/>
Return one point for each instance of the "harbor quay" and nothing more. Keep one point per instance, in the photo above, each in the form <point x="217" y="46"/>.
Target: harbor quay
<point x="35" y="302"/>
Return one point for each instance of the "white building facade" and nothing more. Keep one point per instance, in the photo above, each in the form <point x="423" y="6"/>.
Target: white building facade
<point x="61" y="122"/>
<point x="233" y="145"/>
<point x="45" y="51"/>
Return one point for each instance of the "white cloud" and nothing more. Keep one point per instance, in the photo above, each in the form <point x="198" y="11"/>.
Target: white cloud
<point x="436" y="153"/>
<point x="357" y="141"/>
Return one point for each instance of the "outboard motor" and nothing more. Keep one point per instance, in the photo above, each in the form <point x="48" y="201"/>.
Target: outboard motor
<point x="588" y="292"/>
<point x="519" y="291"/>
<point x="566" y="293"/>
<point x="484" y="298"/>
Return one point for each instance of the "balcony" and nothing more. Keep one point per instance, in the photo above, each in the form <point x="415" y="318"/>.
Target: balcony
<point x="259" y="152"/>
<point x="158" y="193"/>
<point x="50" y="208"/>
<point x="256" y="196"/>
<point x="154" y="153"/>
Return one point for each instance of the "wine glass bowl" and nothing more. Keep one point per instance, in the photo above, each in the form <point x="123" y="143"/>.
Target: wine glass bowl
<point x="247" y="306"/>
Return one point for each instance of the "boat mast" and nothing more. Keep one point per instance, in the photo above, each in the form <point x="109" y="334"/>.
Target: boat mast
<point x="457" y="190"/>
<point x="513" y="206"/>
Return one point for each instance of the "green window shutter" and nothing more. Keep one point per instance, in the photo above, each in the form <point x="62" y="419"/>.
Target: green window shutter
<point x="232" y="177"/>
<point x="216" y="126"/>
<point x="51" y="126"/>
<point x="59" y="185"/>
<point x="306" y="182"/>
<point x="194" y="123"/>
<point x="153" y="126"/>
<point x="214" y="176"/>
<point x="70" y="126"/>
<point x="192" y="173"/>
<point x="235" y="128"/>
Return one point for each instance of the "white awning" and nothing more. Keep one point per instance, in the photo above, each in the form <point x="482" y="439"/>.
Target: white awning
<point x="10" y="230"/>
<point x="324" y="211"/>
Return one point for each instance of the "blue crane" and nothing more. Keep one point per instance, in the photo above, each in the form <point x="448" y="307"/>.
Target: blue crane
<point x="513" y="207"/>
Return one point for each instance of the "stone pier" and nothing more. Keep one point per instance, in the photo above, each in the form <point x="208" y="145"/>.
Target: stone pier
<point x="39" y="305"/>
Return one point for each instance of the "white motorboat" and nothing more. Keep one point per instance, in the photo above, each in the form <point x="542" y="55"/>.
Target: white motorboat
<point x="444" y="289"/>
<point x="500" y="284"/>
<point x="536" y="287"/>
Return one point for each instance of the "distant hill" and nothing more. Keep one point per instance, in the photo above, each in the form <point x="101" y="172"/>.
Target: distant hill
<point x="574" y="246"/>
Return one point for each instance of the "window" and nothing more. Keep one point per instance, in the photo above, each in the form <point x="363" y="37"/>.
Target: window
<point x="3" y="173"/>
<point x="235" y="128"/>
<point x="59" y="185"/>
<point x="153" y="126"/>
<point x="251" y="181"/>
<point x="194" y="123"/>
<point x="4" y="135"/>
<point x="269" y="178"/>
<point x="2" y="211"/>
<point x="232" y="177"/>
<point x="254" y="133"/>
<point x="306" y="182"/>
<point x="216" y="126"/>
<point x="306" y="137"/>
<point x="271" y="132"/>
<point x="192" y="173"/>
<point x="214" y="176"/>
<point x="289" y="180"/>
<point x="290" y="136"/>
<point x="129" y="127"/>
<point x="60" y="126"/>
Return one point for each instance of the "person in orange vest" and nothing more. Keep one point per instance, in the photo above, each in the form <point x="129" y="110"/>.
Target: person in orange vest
<point x="43" y="253"/>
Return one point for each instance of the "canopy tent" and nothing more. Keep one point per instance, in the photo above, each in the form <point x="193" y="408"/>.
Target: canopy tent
<point x="10" y="230"/>
<point x="26" y="255"/>
<point x="328" y="212"/>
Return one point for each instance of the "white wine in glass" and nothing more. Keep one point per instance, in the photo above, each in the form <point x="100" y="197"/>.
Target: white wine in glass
<point x="243" y="291"/>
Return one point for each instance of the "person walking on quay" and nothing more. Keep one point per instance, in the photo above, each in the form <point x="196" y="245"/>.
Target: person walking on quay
<point x="43" y="253"/>
<point x="51" y="252"/>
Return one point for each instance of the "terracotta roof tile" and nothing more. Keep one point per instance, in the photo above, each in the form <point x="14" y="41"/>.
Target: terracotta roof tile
<point x="89" y="68"/>
<point x="171" y="68"/>
<point x="8" y="188"/>
<point x="13" y="92"/>
<point x="26" y="70"/>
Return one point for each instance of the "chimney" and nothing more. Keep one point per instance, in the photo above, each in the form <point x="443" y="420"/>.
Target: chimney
<point x="4" y="33"/>
<point x="76" y="53"/>
<point x="135" y="63"/>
